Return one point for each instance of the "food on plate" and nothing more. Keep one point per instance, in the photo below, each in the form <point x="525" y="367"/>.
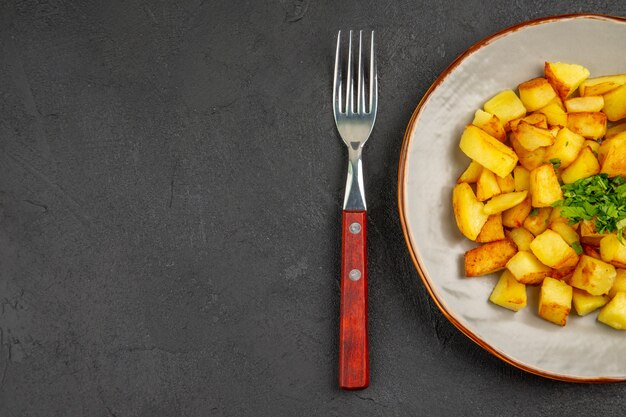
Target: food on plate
<point x="488" y="258"/>
<point x="614" y="313"/>
<point x="565" y="78"/>
<point x="509" y="293"/>
<point x="544" y="194"/>
<point x="555" y="301"/>
<point x="585" y="303"/>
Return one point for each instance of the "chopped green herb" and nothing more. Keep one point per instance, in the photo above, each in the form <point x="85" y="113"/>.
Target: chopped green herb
<point x="566" y="143"/>
<point x="597" y="198"/>
<point x="556" y="163"/>
<point x="534" y="212"/>
<point x="577" y="248"/>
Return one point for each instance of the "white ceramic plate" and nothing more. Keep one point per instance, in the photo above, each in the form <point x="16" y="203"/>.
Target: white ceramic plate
<point x="584" y="350"/>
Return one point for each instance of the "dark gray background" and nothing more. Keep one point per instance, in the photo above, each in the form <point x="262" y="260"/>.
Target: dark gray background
<point x="170" y="189"/>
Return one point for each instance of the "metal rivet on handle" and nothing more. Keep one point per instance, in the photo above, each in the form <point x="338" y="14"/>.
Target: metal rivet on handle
<point x="355" y="228"/>
<point x="355" y="275"/>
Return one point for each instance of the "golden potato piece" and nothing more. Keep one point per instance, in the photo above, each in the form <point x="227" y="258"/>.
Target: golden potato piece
<point x="468" y="211"/>
<point x="555" y="301"/>
<point x="527" y="269"/>
<point x="620" y="282"/>
<point x="593" y="145"/>
<point x="529" y="159"/>
<point x="521" y="176"/>
<point x="555" y="113"/>
<point x="490" y="124"/>
<point x="601" y="85"/>
<point x="565" y="78"/>
<point x="565" y="231"/>
<point x="488" y="151"/>
<point x="544" y="186"/>
<point x="515" y="216"/>
<point x="614" y="155"/>
<point x="593" y="275"/>
<point x="536" y="93"/>
<point x="535" y="119"/>
<point x="521" y="237"/>
<point x="615" y="104"/>
<point x="487" y="185"/>
<point x="585" y="165"/>
<point x="585" y="303"/>
<point x="471" y="173"/>
<point x="589" y="234"/>
<point x="612" y="250"/>
<point x="588" y="104"/>
<point x="618" y="140"/>
<point x="538" y="220"/>
<point x="566" y="147"/>
<point x="531" y="137"/>
<point x="589" y="125"/>
<point x="550" y="248"/>
<point x="614" y="313"/>
<point x="504" y="202"/>
<point x="492" y="230"/>
<point x="592" y="251"/>
<point x="506" y="184"/>
<point x="506" y="106"/>
<point x="488" y="258"/>
<point x="509" y="293"/>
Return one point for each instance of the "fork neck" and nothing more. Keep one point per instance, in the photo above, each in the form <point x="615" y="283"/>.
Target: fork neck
<point x="355" y="191"/>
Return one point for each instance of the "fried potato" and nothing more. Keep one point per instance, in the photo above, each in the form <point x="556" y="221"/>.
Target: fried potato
<point x="490" y="124"/>
<point x="615" y="104"/>
<point x="593" y="275"/>
<point x="488" y="258"/>
<point x="515" y="216"/>
<point x="585" y="165"/>
<point x="531" y="137"/>
<point x="566" y="147"/>
<point x="601" y="85"/>
<point x="521" y="176"/>
<point x="492" y="230"/>
<point x="613" y="251"/>
<point x="471" y="173"/>
<point x="509" y="293"/>
<point x="555" y="113"/>
<point x="585" y="303"/>
<point x="468" y="211"/>
<point x="544" y="186"/>
<point x="584" y="104"/>
<point x="619" y="285"/>
<point x="536" y="93"/>
<point x="521" y="237"/>
<point x="538" y="223"/>
<point x="614" y="313"/>
<point x="505" y="202"/>
<point x="589" y="125"/>
<point x="555" y="301"/>
<point x="488" y="151"/>
<point x="552" y="250"/>
<point x="614" y="155"/>
<point x="565" y="78"/>
<point x="506" y="106"/>
<point x="527" y="269"/>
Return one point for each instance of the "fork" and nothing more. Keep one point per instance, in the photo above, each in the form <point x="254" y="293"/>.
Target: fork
<point x="354" y="122"/>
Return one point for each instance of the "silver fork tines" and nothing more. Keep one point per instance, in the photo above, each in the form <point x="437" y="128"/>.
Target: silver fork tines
<point x="355" y="124"/>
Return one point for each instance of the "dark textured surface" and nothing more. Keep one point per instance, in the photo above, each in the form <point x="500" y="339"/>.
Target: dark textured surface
<point x="170" y="188"/>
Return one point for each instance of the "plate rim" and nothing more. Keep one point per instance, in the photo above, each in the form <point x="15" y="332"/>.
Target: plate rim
<point x="415" y="256"/>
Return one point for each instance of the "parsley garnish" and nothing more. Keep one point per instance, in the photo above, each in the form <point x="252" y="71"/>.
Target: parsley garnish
<point x="597" y="198"/>
<point x="534" y="212"/>
<point x="577" y="248"/>
<point x="556" y="163"/>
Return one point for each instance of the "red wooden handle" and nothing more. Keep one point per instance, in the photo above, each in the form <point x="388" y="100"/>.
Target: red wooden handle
<point x="353" y="355"/>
